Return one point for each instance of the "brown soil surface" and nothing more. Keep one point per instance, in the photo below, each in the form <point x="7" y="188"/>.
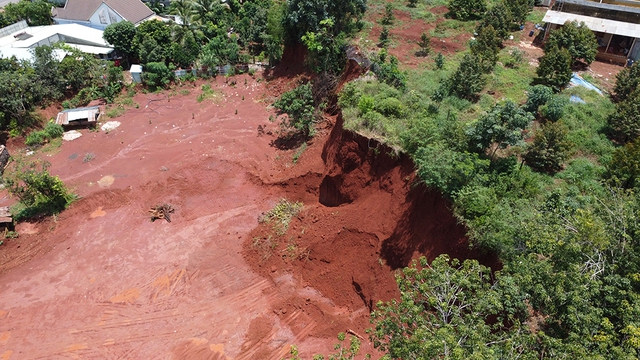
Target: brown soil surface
<point x="102" y="281"/>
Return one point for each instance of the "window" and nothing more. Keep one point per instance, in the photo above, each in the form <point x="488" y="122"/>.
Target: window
<point x="103" y="17"/>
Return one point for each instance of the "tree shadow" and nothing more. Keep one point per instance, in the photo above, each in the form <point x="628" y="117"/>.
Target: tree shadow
<point x="289" y="141"/>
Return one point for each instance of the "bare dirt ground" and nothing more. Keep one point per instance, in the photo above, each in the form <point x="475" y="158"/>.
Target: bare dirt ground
<point x="101" y="281"/>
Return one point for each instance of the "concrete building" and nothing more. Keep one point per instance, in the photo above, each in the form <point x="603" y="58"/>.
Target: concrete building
<point x="616" y="24"/>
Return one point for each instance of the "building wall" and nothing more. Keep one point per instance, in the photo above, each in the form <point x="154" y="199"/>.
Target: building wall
<point x="104" y="17"/>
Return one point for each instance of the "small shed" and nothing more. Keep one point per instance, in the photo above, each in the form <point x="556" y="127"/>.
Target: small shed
<point x="136" y="73"/>
<point x="86" y="116"/>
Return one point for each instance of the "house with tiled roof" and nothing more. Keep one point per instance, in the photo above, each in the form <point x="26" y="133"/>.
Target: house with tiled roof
<point x="101" y="13"/>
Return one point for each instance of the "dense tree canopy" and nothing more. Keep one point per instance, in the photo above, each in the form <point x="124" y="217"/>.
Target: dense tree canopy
<point x="36" y="13"/>
<point x="578" y="39"/>
<point x="467" y="9"/>
<point x="121" y="36"/>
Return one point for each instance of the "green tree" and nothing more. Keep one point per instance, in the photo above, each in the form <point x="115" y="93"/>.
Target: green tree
<point x="467" y="9"/>
<point x="121" y="36"/>
<point x="157" y="75"/>
<point x="152" y="40"/>
<point x="624" y="122"/>
<point x="425" y="44"/>
<point x="36" y="13"/>
<point x="519" y="10"/>
<point x="578" y="39"/>
<point x="537" y="96"/>
<point x="304" y="16"/>
<point x="388" y="17"/>
<point x="442" y="313"/>
<point x="384" y="38"/>
<point x="624" y="168"/>
<point x="38" y="191"/>
<point x="627" y="80"/>
<point x="412" y="3"/>
<point x="555" y="67"/>
<point x="486" y="47"/>
<point x="550" y="148"/>
<point x="499" y="128"/>
<point x="553" y="110"/>
<point x="500" y="18"/>
<point x="439" y="61"/>
<point x="47" y="69"/>
<point x="299" y="107"/>
<point x="20" y="92"/>
<point x="468" y="79"/>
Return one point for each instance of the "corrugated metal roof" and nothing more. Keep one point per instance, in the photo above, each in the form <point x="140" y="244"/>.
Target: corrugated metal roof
<point x="594" y="24"/>
<point x="82" y="10"/>
<point x="90" y="114"/>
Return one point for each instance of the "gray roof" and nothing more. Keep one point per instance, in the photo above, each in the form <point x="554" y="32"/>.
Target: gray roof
<point x="131" y="10"/>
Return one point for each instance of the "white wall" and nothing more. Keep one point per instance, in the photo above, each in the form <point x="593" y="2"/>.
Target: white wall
<point x="110" y="16"/>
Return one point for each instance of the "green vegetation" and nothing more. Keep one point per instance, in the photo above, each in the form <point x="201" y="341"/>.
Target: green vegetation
<point x="577" y="39"/>
<point x="36" y="13"/>
<point x="281" y="214"/>
<point x="299" y="107"/>
<point x="467" y="9"/>
<point x="40" y="137"/>
<point x="39" y="193"/>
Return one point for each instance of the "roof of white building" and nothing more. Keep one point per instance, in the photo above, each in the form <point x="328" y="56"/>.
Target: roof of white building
<point x="131" y="10"/>
<point x="594" y="24"/>
<point x="19" y="42"/>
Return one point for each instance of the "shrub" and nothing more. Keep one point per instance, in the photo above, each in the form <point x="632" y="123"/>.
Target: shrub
<point x="384" y="38"/>
<point x="486" y="47"/>
<point x="390" y="74"/>
<point x="439" y="61"/>
<point x="299" y="107"/>
<point x="349" y="96"/>
<point x="467" y="9"/>
<point x="38" y="191"/>
<point x="50" y="132"/>
<point x="554" y="108"/>
<point x="624" y="168"/>
<point x="425" y="45"/>
<point x="500" y="18"/>
<point x="157" y="75"/>
<point x="390" y="107"/>
<point x="550" y="148"/>
<point x="537" y="96"/>
<point x="388" y="17"/>
<point x="366" y="104"/>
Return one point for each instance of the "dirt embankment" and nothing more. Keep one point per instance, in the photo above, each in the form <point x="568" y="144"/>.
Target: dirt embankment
<point x="364" y="216"/>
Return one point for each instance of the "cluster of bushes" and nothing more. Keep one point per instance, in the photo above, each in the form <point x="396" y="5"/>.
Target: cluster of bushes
<point x="40" y="137"/>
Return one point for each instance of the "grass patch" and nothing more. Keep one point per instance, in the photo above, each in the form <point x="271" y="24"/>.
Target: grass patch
<point x="298" y="153"/>
<point x="115" y="111"/>
<point x="280" y="216"/>
<point x="208" y="94"/>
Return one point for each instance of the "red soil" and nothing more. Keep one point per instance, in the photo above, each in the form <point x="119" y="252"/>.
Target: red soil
<point x="102" y="281"/>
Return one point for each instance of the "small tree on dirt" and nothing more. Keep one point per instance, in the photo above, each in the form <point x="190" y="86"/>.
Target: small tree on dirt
<point x="388" y="17"/>
<point x="38" y="191"/>
<point x="624" y="122"/>
<point x="578" y="39"/>
<point x="439" y="60"/>
<point x="300" y="110"/>
<point x="425" y="45"/>
<point x="467" y="9"/>
<point x="555" y="68"/>
<point x="412" y="3"/>
<point x="486" y="47"/>
<point x="499" y="128"/>
<point x="550" y="148"/>
<point x="519" y="9"/>
<point x="384" y="38"/>
<point x="627" y="81"/>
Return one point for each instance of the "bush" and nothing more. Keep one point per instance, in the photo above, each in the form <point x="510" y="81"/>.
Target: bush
<point x="366" y="104"/>
<point x="500" y="18"/>
<point x="349" y="96"/>
<point x="384" y="38"/>
<point x="389" y="73"/>
<point x="554" y="108"/>
<point x="468" y="80"/>
<point x="390" y="107"/>
<point x="50" y="132"/>
<point x="537" y="96"/>
<point x="157" y="75"/>
<point x="39" y="192"/>
<point x="624" y="168"/>
<point x="550" y="148"/>
<point x="425" y="45"/>
<point x="467" y="9"/>
<point x="299" y="107"/>
<point x="439" y="61"/>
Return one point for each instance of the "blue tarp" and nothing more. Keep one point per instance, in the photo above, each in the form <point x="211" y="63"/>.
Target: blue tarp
<point x="576" y="99"/>
<point x="576" y="80"/>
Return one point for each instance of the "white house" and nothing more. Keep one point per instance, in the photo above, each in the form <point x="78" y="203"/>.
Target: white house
<point x="101" y="13"/>
<point x="19" y="40"/>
